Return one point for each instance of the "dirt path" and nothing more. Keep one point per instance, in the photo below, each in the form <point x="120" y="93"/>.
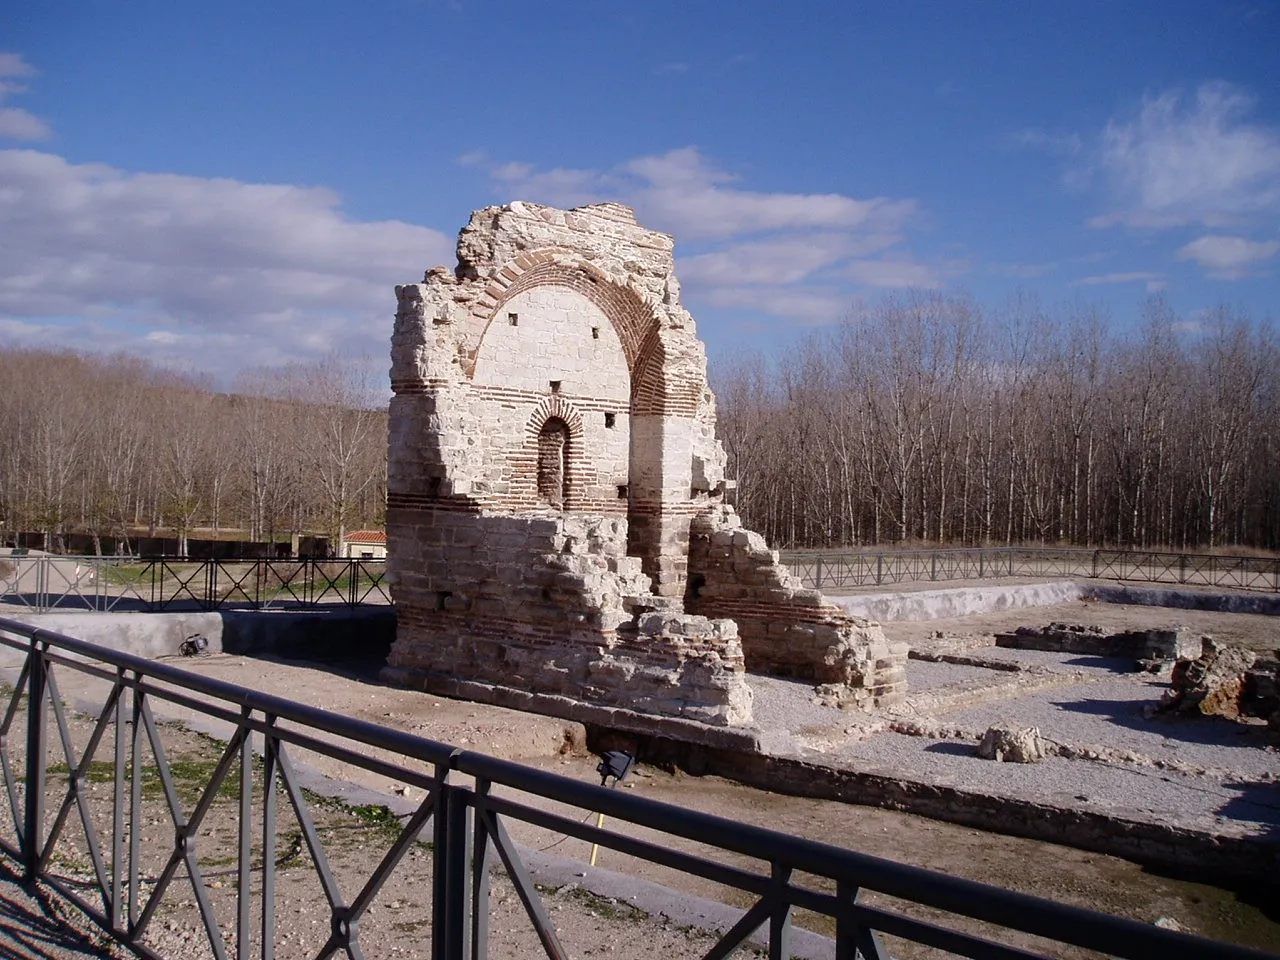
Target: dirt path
<point x="1087" y="879"/>
<point x="1249" y="915"/>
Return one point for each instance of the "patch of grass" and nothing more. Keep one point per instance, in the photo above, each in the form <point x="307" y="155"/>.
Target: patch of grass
<point x="126" y="575"/>
<point x="608" y="907"/>
<point x="412" y="926"/>
<point x="373" y="817"/>
<point x="190" y="772"/>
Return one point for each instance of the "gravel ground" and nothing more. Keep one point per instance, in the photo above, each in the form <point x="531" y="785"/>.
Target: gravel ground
<point x="923" y="675"/>
<point x="1110" y="712"/>
<point x="1057" y="660"/>
<point x="1149" y="793"/>
<point x="789" y="705"/>
<point x="1223" y="771"/>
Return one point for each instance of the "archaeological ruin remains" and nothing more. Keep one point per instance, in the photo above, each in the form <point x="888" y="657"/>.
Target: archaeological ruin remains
<point x="559" y="521"/>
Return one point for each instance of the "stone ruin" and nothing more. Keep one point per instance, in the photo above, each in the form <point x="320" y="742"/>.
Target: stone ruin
<point x="1152" y="650"/>
<point x="560" y="527"/>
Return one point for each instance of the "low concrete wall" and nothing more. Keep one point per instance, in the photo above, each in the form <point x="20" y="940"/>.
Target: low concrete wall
<point x="147" y="635"/>
<point x="957" y="601"/>
<point x="1267" y="604"/>
<point x="968" y="601"/>
<point x="292" y="634"/>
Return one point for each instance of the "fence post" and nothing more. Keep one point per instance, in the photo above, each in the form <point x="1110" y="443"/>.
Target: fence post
<point x="1094" y="568"/>
<point x="33" y="811"/>
<point x="211" y="584"/>
<point x="879" y="568"/>
<point x="451" y="923"/>
<point x="42" y="583"/>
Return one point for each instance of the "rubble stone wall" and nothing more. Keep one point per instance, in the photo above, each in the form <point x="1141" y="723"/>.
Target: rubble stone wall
<point x="552" y="444"/>
<point x="786" y="628"/>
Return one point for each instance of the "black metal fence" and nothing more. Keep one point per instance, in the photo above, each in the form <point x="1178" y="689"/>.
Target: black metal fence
<point x="876" y="568"/>
<point x="156" y="584"/>
<point x="469" y="801"/>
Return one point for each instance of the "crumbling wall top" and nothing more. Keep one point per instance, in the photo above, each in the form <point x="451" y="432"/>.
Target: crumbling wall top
<point x="606" y="235"/>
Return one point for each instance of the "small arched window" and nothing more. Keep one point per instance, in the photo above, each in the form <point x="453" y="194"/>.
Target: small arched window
<point x="553" y="462"/>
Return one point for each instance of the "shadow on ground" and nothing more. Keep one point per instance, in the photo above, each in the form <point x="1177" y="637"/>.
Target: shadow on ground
<point x="1201" y="730"/>
<point x="30" y="925"/>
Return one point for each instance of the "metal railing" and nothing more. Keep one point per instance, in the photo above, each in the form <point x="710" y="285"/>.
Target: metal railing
<point x="470" y="800"/>
<point x="876" y="568"/>
<point x="157" y="584"/>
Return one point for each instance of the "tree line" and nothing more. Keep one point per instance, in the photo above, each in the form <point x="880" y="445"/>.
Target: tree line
<point x="116" y="447"/>
<point x="920" y="419"/>
<point x="925" y="418"/>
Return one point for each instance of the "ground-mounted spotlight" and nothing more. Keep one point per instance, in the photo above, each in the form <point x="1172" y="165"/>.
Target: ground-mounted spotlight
<point x="616" y="764"/>
<point x="196" y="643"/>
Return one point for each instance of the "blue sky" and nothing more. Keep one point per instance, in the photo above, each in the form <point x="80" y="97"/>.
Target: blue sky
<point x="218" y="186"/>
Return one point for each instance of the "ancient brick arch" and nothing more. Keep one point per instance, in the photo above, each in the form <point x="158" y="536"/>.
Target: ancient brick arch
<point x="559" y="408"/>
<point x="530" y="465"/>
<point x="632" y="318"/>
<point x="654" y="391"/>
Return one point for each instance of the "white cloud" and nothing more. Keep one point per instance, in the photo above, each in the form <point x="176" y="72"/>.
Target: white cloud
<point x="1105" y="279"/>
<point x="174" y="266"/>
<point x="780" y="260"/>
<point x="13" y="65"/>
<point x="1056" y="142"/>
<point x="788" y="247"/>
<point x="1022" y="271"/>
<point x="680" y="193"/>
<point x="1154" y="282"/>
<point x="16" y="123"/>
<point x="1197" y="159"/>
<point x="803" y="305"/>
<point x="893" y="274"/>
<point x="1228" y="258"/>
<point x="689" y="197"/>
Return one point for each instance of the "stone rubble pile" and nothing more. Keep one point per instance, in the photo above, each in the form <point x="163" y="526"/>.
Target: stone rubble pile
<point x="1153" y="650"/>
<point x="1211" y="684"/>
<point x="1012" y="745"/>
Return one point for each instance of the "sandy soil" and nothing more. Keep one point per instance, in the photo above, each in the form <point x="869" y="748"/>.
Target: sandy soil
<point x="1247" y="915"/>
<point x="1087" y="879"/>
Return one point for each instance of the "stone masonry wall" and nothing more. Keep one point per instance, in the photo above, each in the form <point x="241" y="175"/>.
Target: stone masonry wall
<point x="552" y="444"/>
<point x="785" y="627"/>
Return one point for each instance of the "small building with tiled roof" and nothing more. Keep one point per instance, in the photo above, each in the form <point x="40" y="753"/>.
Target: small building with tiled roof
<point x="365" y="545"/>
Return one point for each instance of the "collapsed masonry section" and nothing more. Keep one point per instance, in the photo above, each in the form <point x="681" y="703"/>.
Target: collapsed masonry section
<point x="552" y="446"/>
<point x="554" y="606"/>
<point x="786" y="628"/>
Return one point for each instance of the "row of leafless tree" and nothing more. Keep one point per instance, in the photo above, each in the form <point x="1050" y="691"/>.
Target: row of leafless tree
<point x="925" y="418"/>
<point x="116" y="447"/>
